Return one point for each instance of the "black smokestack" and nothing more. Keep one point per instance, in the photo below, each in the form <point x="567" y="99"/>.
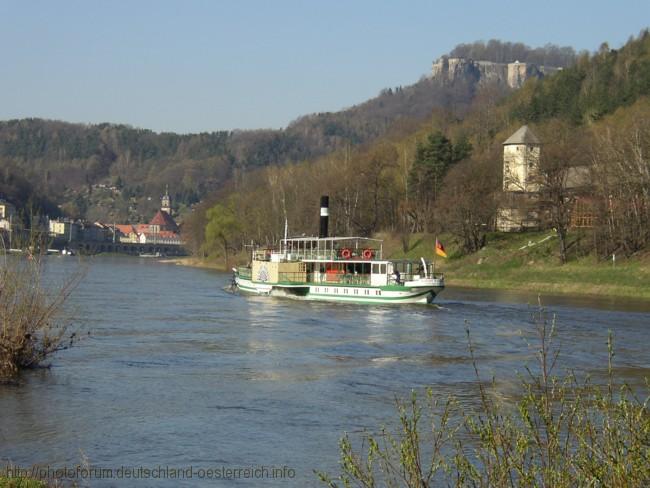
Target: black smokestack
<point x="324" y="215"/>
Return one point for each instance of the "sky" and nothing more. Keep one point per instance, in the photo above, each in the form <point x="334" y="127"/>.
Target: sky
<point x="205" y="65"/>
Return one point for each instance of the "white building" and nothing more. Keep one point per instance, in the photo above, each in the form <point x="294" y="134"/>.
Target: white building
<point x="66" y="229"/>
<point x="7" y="214"/>
<point x="521" y="182"/>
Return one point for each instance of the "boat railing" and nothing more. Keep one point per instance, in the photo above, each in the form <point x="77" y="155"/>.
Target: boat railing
<point x="322" y="255"/>
<point x="337" y="278"/>
<point x="347" y="278"/>
<point x="403" y="277"/>
<point x="245" y="273"/>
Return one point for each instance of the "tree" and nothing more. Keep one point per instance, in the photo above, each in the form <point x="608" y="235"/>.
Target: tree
<point x="621" y="167"/>
<point x="468" y="201"/>
<point x="561" y="160"/>
<point x="221" y="230"/>
<point x="432" y="160"/>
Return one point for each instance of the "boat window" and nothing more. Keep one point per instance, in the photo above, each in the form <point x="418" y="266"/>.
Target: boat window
<point x="383" y="269"/>
<point x="375" y="269"/>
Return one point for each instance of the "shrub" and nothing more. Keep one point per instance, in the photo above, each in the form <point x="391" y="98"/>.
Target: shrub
<point x="31" y="327"/>
<point x="561" y="432"/>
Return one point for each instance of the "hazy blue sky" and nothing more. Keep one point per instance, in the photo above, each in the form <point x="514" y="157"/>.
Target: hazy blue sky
<point x="193" y="65"/>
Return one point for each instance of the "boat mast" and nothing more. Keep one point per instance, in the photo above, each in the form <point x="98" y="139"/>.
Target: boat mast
<point x="286" y="231"/>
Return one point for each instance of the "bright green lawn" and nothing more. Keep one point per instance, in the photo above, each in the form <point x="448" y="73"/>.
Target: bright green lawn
<point x="504" y="264"/>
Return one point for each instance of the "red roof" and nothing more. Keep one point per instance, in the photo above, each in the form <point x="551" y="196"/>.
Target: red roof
<point x="125" y="229"/>
<point x="164" y="220"/>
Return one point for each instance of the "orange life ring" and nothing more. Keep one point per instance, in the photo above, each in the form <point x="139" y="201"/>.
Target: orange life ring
<point x="346" y="253"/>
<point x="367" y="254"/>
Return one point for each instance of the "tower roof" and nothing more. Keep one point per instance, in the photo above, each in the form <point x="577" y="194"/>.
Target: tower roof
<point x="523" y="136"/>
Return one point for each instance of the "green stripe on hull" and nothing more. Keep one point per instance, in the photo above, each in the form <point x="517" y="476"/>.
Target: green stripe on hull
<point x="305" y="292"/>
<point x="288" y="284"/>
<point x="353" y="298"/>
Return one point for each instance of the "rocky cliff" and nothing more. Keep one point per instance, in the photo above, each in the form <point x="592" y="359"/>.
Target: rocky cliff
<point x="448" y="70"/>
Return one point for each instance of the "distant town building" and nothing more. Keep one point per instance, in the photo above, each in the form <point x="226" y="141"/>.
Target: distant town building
<point x="161" y="234"/>
<point x="162" y="237"/>
<point x="162" y="221"/>
<point x="162" y="229"/>
<point x="126" y="233"/>
<point x="66" y="229"/>
<point x="7" y="214"/>
<point x="96" y="232"/>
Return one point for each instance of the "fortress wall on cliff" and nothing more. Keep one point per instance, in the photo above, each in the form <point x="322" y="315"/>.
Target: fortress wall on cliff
<point x="448" y="70"/>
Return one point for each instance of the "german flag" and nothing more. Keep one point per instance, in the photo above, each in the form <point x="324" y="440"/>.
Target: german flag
<point x="440" y="249"/>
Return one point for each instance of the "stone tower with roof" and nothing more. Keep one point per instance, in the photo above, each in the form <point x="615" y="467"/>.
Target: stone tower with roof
<point x="521" y="161"/>
<point x="519" y="209"/>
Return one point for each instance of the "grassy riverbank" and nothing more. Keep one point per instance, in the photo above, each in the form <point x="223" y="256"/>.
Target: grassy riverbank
<point x="529" y="261"/>
<point x="526" y="261"/>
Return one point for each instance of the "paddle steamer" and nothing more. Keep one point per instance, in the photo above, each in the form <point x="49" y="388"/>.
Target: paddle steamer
<point x="341" y="269"/>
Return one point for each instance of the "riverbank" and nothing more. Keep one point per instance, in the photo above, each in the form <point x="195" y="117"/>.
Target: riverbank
<point x="529" y="262"/>
<point x="195" y="262"/>
<point x="526" y="261"/>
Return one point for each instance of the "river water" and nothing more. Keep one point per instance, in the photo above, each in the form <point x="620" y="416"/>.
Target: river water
<point x="175" y="372"/>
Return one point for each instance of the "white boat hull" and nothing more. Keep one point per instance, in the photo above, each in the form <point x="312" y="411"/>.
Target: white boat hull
<point x="411" y="292"/>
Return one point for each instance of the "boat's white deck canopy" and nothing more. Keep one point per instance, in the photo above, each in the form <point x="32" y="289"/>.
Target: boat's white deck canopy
<point x="325" y="249"/>
<point x="328" y="239"/>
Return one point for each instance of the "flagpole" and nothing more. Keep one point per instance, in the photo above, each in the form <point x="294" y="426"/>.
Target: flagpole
<point x="435" y="251"/>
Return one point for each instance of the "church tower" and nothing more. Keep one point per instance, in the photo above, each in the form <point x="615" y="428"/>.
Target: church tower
<point x="166" y="202"/>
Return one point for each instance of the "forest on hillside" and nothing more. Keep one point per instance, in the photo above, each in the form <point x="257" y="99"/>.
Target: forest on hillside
<point x="508" y="52"/>
<point x="446" y="175"/>
<point x="73" y="164"/>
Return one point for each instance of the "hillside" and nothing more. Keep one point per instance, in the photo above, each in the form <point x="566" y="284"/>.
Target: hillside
<point x="445" y="174"/>
<point x="74" y="163"/>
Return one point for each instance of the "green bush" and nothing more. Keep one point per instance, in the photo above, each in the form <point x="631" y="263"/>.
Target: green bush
<point x="561" y="432"/>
